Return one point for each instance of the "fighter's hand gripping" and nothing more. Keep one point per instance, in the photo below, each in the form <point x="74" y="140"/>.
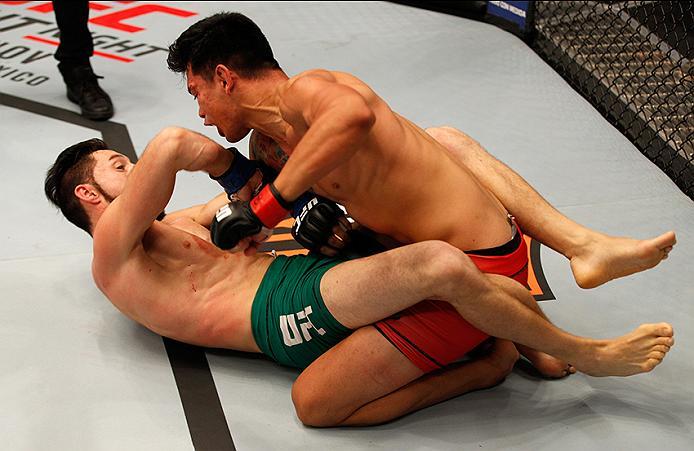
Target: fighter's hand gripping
<point x="235" y="227"/>
<point x="320" y="225"/>
<point x="239" y="220"/>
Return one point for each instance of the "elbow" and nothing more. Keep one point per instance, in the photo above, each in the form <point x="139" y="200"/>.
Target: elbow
<point x="167" y="142"/>
<point x="363" y="118"/>
<point x="170" y="137"/>
<point x="355" y="114"/>
<point x="357" y="126"/>
<point x="171" y="133"/>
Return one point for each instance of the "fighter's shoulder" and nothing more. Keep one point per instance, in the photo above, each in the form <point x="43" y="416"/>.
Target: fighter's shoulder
<point x="307" y="83"/>
<point x="321" y="82"/>
<point x="112" y="252"/>
<point x="321" y="77"/>
<point x="314" y="75"/>
<point x="106" y="232"/>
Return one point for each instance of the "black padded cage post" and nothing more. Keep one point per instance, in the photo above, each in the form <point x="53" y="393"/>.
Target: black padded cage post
<point x="516" y="17"/>
<point x="633" y="62"/>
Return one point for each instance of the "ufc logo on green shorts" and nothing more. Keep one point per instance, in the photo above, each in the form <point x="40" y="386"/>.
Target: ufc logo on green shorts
<point x="290" y="331"/>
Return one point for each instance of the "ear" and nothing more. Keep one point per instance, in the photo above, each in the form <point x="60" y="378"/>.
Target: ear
<point x="225" y="77"/>
<point x="87" y="193"/>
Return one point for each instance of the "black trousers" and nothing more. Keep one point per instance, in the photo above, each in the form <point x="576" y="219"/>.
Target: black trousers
<point x="76" y="46"/>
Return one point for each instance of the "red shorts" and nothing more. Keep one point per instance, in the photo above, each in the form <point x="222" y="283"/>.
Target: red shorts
<point x="432" y="334"/>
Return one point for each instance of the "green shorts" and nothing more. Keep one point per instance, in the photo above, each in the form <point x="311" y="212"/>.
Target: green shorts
<point x="289" y="319"/>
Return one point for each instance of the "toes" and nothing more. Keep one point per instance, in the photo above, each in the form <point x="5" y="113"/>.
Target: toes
<point x="650" y="364"/>
<point x="673" y="238"/>
<point x="665" y="240"/>
<point x="656" y="355"/>
<point x="666" y="252"/>
<point x="656" y="330"/>
<point x="569" y="370"/>
<point x="661" y="348"/>
<point x="664" y="330"/>
<point x="654" y="362"/>
<point x="665" y="341"/>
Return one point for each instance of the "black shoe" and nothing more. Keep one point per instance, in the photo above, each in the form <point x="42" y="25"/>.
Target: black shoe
<point x="84" y="90"/>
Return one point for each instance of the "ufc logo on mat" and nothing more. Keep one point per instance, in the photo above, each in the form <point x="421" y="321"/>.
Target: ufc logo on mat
<point x="290" y="331"/>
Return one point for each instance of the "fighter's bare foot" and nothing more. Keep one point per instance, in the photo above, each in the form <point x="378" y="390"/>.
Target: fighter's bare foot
<point x="636" y="352"/>
<point x="605" y="258"/>
<point x="548" y="366"/>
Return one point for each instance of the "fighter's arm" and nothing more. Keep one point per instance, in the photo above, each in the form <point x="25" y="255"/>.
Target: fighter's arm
<point x="150" y="186"/>
<point x="338" y="120"/>
<point x="201" y="214"/>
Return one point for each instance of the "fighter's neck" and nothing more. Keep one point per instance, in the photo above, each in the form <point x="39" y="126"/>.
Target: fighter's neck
<point x="262" y="107"/>
<point x="266" y="118"/>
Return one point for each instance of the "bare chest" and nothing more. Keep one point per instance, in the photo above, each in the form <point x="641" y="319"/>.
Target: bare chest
<point x="181" y="286"/>
<point x="339" y="185"/>
<point x="271" y="152"/>
<point x="171" y="248"/>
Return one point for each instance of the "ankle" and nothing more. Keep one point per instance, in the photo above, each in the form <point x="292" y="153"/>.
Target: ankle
<point x="592" y="351"/>
<point x="581" y="244"/>
<point x="69" y="67"/>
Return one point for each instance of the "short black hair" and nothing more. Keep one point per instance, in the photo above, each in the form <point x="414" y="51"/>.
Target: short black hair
<point x="223" y="38"/>
<point x="74" y="166"/>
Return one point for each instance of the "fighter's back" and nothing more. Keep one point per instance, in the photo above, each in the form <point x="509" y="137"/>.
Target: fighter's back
<point x="403" y="183"/>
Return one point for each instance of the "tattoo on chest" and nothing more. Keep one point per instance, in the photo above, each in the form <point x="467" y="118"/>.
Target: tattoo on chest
<point x="268" y="151"/>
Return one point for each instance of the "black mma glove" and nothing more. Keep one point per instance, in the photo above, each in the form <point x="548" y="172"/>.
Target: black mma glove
<point x="320" y="225"/>
<point x="234" y="222"/>
<point x="255" y="219"/>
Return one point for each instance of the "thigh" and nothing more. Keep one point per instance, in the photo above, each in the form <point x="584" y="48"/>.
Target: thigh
<point x="366" y="290"/>
<point x="358" y="370"/>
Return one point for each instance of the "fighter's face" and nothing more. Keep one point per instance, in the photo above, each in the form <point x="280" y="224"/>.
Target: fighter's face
<point x="111" y="171"/>
<point x="217" y="105"/>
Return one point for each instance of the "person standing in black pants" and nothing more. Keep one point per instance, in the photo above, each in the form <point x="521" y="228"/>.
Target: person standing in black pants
<point x="74" y="51"/>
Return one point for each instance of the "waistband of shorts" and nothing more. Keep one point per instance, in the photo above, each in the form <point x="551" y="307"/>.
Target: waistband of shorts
<point x="506" y="248"/>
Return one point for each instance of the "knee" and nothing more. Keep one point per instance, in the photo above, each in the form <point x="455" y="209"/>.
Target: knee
<point x="305" y="403"/>
<point x="445" y="265"/>
<point x="310" y="406"/>
<point x="446" y="260"/>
